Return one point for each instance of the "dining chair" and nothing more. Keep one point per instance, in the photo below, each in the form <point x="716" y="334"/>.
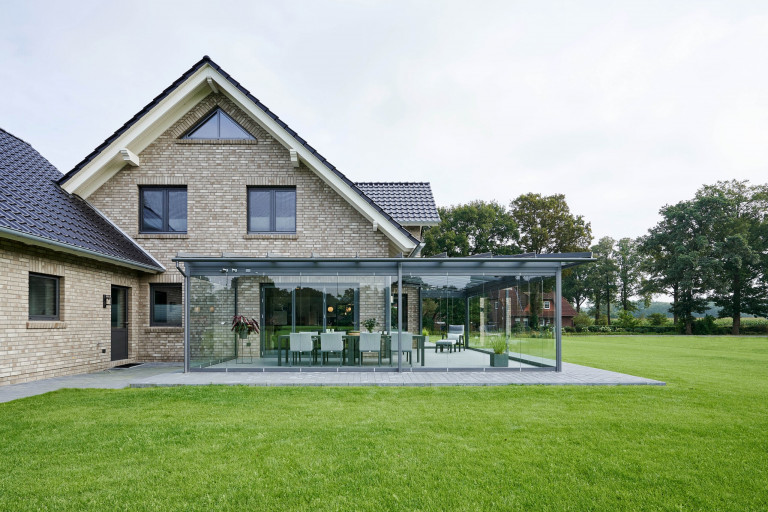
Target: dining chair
<point x="331" y="342"/>
<point x="407" y="345"/>
<point x="300" y="342"/>
<point x="370" y="342"/>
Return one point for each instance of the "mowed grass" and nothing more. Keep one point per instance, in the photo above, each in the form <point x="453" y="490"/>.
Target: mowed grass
<point x="699" y="443"/>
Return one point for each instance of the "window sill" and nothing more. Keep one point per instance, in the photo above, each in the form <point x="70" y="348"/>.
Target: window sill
<point x="46" y="324"/>
<point x="144" y="236"/>
<point x="219" y="142"/>
<point x="271" y="236"/>
<point x="164" y="328"/>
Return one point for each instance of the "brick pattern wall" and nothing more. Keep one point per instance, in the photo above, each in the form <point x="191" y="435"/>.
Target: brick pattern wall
<point x="217" y="174"/>
<point x="31" y="350"/>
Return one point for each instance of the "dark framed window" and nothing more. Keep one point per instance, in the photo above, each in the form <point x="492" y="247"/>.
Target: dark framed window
<point x="43" y="297"/>
<point x="165" y="304"/>
<point x="163" y="209"/>
<point x="272" y="210"/>
<point x="218" y="125"/>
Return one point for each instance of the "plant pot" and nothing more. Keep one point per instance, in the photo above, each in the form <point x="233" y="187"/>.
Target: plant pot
<point x="500" y="360"/>
<point x="243" y="335"/>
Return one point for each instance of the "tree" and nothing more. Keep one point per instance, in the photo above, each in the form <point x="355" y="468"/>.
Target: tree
<point x="740" y="227"/>
<point x="575" y="286"/>
<point x="628" y="272"/>
<point x="601" y="277"/>
<point x="679" y="256"/>
<point x="474" y="228"/>
<point x="547" y="225"/>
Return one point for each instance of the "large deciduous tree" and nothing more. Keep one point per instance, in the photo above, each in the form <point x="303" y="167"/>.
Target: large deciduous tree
<point x="680" y="257"/>
<point x="739" y="246"/>
<point x="602" y="277"/>
<point x="473" y="228"/>
<point x="628" y="272"/>
<point x="547" y="225"/>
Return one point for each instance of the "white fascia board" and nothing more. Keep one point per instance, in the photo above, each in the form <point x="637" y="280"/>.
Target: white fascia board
<point x="136" y="138"/>
<point x="403" y="242"/>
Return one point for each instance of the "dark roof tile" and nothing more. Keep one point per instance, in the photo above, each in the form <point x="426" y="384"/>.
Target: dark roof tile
<point x="34" y="204"/>
<point x="407" y="203"/>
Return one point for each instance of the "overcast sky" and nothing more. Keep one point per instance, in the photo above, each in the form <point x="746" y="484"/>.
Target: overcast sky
<point x="621" y="106"/>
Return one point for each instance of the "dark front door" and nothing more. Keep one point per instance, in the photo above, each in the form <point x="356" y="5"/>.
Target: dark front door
<point x="119" y="323"/>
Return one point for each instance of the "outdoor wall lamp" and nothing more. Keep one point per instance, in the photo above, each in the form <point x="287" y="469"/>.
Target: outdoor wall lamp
<point x="330" y="309"/>
<point x="212" y="309"/>
<point x="107" y="300"/>
<point x="196" y="309"/>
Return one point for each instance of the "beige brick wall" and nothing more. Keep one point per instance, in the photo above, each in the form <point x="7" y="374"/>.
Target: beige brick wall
<point x="37" y="350"/>
<point x="217" y="174"/>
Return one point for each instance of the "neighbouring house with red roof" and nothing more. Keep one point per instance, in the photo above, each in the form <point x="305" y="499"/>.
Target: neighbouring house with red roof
<point x="515" y="305"/>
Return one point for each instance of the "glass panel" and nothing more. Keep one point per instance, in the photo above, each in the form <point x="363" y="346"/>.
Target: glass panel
<point x="167" y="305"/>
<point x="208" y="130"/>
<point x="259" y="209"/>
<point x="177" y="210"/>
<point x="118" y="308"/>
<point x="285" y="210"/>
<point x="229" y="129"/>
<point x="43" y="297"/>
<point x="152" y="211"/>
<point x="212" y="342"/>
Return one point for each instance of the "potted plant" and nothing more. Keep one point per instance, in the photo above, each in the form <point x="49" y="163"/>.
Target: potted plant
<point x="370" y="324"/>
<point x="499" y="356"/>
<point x="244" y="326"/>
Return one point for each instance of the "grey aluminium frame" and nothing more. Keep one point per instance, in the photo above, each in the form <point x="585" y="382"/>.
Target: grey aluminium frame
<point x="551" y="265"/>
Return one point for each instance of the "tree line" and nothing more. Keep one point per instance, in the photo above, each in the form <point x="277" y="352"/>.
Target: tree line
<point x="711" y="248"/>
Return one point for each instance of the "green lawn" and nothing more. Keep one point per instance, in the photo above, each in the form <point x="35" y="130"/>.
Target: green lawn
<point x="700" y="443"/>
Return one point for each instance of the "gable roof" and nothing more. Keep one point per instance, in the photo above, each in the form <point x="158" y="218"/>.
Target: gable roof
<point x="192" y="86"/>
<point x="34" y="209"/>
<point x="410" y="204"/>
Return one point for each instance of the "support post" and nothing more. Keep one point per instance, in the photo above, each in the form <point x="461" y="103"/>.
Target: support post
<point x="400" y="317"/>
<point x="466" y="322"/>
<point x="187" y="310"/>
<point x="559" y="319"/>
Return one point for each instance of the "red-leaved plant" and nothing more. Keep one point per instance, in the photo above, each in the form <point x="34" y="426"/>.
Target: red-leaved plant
<point x="244" y="326"/>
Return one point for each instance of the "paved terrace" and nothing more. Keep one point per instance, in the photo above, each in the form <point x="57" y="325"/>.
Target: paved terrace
<point x="163" y="375"/>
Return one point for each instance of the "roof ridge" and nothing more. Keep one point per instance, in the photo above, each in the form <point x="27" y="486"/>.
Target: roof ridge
<point x="393" y="183"/>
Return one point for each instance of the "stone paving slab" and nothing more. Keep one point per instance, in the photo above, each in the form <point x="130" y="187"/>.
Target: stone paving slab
<point x="164" y="375"/>
<point x="572" y="374"/>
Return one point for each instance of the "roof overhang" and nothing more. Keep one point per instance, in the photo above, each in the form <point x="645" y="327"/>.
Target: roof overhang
<point x="493" y="267"/>
<point x="110" y="159"/>
<point x="26" y="238"/>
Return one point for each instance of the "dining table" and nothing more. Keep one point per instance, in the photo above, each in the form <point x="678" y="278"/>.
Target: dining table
<point x="351" y="346"/>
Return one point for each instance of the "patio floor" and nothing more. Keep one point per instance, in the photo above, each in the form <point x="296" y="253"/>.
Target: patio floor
<point x="162" y="375"/>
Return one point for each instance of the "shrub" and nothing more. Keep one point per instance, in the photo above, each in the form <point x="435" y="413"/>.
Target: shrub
<point x="626" y="320"/>
<point x="704" y="325"/>
<point x="658" y="319"/>
<point x="582" y="321"/>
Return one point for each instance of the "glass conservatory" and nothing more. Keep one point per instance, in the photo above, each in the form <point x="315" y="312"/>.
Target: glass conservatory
<point x="382" y="314"/>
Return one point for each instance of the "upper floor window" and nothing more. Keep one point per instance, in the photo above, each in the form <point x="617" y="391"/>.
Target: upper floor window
<point x="272" y="210"/>
<point x="163" y="210"/>
<point x="43" y="297"/>
<point x="547" y="304"/>
<point x="218" y="125"/>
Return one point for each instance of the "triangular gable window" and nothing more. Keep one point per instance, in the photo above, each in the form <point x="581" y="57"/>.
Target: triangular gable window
<point x="218" y="125"/>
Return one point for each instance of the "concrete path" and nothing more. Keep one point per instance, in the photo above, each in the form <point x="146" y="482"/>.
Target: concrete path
<point x="108" y="379"/>
<point x="161" y="375"/>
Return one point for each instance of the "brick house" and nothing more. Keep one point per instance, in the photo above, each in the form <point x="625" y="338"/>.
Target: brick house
<point x="134" y="254"/>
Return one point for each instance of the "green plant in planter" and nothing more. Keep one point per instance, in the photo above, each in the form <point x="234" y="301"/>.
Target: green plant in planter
<point x="370" y="324"/>
<point x="244" y="326"/>
<point x="499" y="356"/>
<point x="499" y="345"/>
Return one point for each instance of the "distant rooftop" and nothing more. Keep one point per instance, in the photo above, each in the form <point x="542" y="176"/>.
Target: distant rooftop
<point x="409" y="203"/>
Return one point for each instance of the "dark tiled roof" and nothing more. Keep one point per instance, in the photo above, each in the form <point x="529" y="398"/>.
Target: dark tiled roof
<point x="207" y="60"/>
<point x="32" y="204"/>
<point x="407" y="203"/>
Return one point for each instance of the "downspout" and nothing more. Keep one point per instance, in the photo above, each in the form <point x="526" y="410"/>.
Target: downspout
<point x="187" y="309"/>
<point x="416" y="250"/>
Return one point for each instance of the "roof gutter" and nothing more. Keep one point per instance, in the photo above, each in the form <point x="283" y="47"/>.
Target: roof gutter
<point x="20" y="236"/>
